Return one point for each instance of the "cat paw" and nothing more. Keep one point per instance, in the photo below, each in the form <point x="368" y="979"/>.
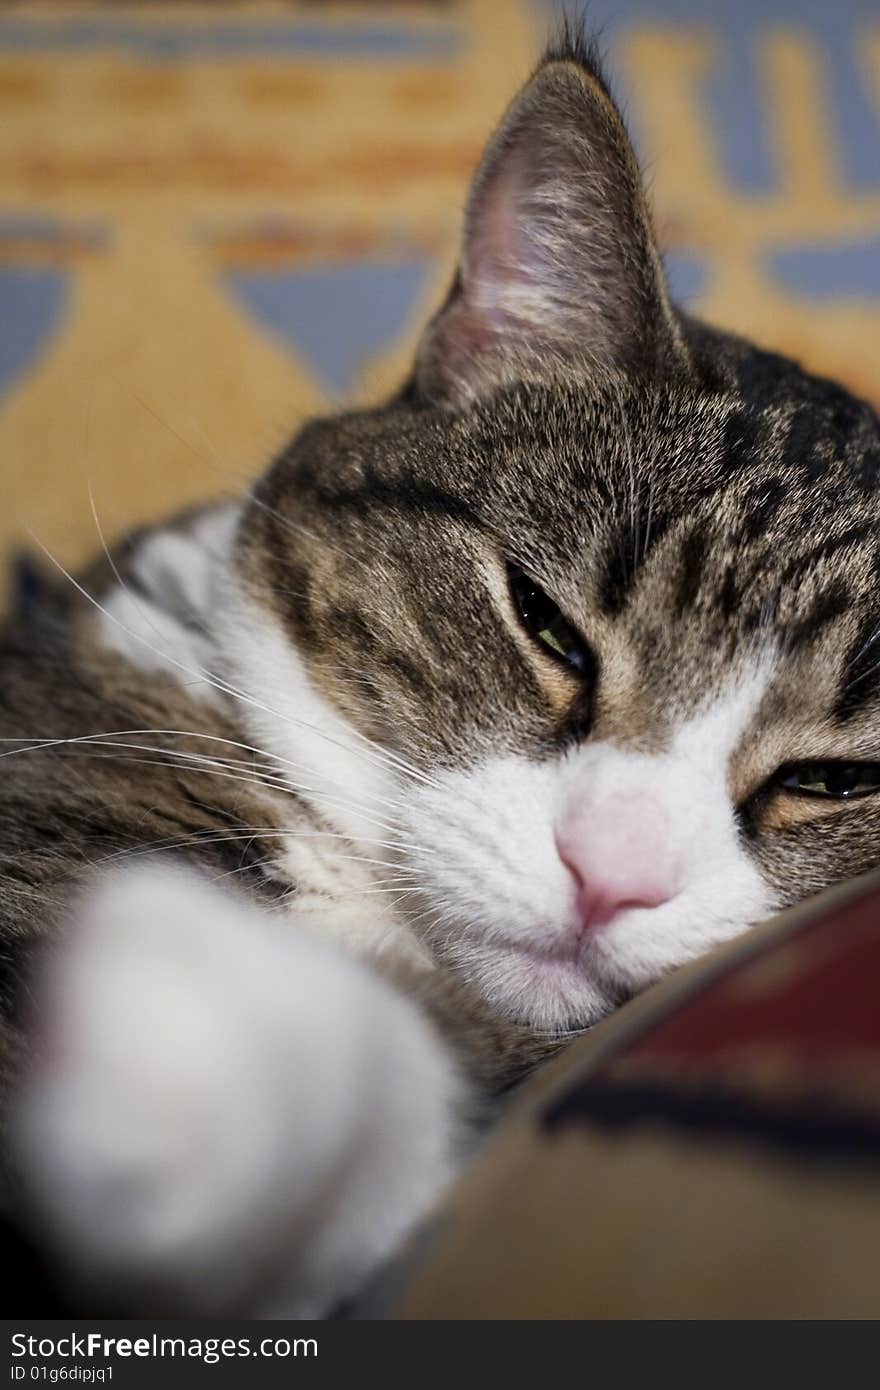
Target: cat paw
<point x="226" y="1110"/>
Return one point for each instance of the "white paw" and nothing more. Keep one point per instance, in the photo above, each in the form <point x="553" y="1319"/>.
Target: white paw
<point x="229" y="1111"/>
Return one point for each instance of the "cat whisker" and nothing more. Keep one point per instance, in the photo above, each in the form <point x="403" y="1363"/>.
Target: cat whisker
<point x="229" y="769"/>
<point x="400" y="892"/>
<point x="646" y="542"/>
<point x="633" y="496"/>
<point x="252" y="833"/>
<point x="387" y="886"/>
<point x="862" y="676"/>
<point x="247" y="489"/>
<point x="114" y="567"/>
<point x="866" y="646"/>
<point x="232" y="769"/>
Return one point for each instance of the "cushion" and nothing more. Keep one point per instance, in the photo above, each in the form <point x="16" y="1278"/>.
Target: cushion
<point x="712" y="1150"/>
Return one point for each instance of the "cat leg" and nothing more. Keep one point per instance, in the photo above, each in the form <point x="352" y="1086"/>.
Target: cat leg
<point x="229" y="1113"/>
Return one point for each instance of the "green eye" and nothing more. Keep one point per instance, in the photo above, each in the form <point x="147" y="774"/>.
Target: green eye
<point x="542" y="619"/>
<point x="840" y="781"/>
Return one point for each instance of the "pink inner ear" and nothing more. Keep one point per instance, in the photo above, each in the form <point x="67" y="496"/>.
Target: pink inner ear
<point x="496" y="258"/>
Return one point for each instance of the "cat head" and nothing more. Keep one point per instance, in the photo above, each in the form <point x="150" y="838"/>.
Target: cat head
<point x="584" y="620"/>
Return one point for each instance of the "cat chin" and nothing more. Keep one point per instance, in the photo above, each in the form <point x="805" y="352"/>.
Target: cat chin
<point x="545" y="989"/>
<point x="563" y="980"/>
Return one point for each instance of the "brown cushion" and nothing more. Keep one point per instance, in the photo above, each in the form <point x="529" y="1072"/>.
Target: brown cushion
<point x="710" y="1151"/>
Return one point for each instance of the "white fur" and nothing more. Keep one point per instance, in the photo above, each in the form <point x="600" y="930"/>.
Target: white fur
<point x="292" y="720"/>
<point x="230" y="1111"/>
<point x="354" y="786"/>
<point x="503" y="901"/>
<point x="165" y="623"/>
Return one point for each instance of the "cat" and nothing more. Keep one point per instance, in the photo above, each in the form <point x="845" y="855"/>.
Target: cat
<point x="346" y="803"/>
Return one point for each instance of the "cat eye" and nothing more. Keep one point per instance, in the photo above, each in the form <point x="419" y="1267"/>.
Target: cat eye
<point x="837" y="780"/>
<point x="542" y="619"/>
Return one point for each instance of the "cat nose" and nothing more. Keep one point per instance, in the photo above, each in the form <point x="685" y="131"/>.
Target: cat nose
<point x="621" y="856"/>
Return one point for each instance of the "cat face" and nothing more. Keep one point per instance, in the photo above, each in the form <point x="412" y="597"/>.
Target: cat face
<point x="598" y="588"/>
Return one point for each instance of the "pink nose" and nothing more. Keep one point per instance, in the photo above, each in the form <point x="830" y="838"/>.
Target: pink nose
<point x="620" y="855"/>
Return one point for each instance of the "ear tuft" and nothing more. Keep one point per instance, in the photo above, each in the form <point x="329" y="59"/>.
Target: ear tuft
<point x="572" y="44"/>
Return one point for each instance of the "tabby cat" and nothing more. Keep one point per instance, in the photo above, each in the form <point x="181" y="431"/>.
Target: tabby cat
<point x="486" y="709"/>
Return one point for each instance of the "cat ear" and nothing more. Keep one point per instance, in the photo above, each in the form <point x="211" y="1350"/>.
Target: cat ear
<point x="558" y="259"/>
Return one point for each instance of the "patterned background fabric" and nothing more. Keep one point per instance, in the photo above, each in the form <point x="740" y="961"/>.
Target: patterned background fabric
<point x="216" y="219"/>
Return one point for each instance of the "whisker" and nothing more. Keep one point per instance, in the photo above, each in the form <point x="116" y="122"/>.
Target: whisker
<point x="271" y="759"/>
<point x="866" y="646"/>
<point x="266" y="781"/>
<point x="251" y="833"/>
<point x="112" y="563"/>
<point x="280" y="830"/>
<point x="247" y="488"/>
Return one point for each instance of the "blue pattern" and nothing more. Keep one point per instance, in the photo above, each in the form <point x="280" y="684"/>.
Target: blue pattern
<point x="32" y="305"/>
<point x="829" y="272"/>
<point x="335" y="316"/>
<point x="233" y="39"/>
